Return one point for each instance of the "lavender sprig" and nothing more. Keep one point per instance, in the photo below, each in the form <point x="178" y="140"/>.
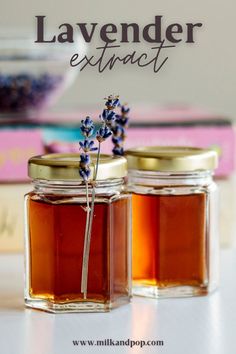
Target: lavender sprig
<point x="87" y="129"/>
<point x="112" y="124"/>
<point x="119" y="130"/>
<point x="87" y="146"/>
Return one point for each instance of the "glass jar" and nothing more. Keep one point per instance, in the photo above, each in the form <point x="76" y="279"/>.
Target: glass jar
<point x="56" y="235"/>
<point x="175" y="221"/>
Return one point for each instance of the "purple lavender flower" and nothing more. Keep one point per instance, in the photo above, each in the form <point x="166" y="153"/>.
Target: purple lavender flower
<point x="84" y="169"/>
<point x="108" y="117"/>
<point x="84" y="160"/>
<point x="118" y="130"/>
<point x="124" y="109"/>
<point x="118" y="150"/>
<point x="103" y="133"/>
<point x="123" y="119"/>
<point x="112" y="102"/>
<point x="87" y="127"/>
<point x="117" y="140"/>
<point x="85" y="173"/>
<point x="87" y="145"/>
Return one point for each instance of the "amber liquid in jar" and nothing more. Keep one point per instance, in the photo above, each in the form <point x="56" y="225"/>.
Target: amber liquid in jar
<point x="56" y="242"/>
<point x="169" y="240"/>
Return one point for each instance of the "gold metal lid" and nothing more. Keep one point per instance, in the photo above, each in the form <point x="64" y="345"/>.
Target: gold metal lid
<point x="66" y="167"/>
<point x="171" y="158"/>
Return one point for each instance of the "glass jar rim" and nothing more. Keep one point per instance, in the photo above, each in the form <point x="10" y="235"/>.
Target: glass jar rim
<point x="18" y="45"/>
<point x="171" y="158"/>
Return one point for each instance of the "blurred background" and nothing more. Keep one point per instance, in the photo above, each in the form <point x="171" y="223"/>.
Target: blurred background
<point x="190" y="101"/>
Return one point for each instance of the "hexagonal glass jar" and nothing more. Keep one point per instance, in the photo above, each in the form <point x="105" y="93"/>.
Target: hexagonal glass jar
<point x="175" y="221"/>
<point x="55" y="242"/>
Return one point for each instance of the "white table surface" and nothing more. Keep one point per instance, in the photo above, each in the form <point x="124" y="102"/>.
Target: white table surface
<point x="201" y="325"/>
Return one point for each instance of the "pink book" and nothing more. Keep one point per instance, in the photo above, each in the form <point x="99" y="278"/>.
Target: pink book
<point x="149" y="125"/>
<point x="222" y="139"/>
<point x="16" y="147"/>
<point x="170" y="125"/>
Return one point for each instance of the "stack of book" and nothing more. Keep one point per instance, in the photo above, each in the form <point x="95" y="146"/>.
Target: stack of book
<point x="185" y="126"/>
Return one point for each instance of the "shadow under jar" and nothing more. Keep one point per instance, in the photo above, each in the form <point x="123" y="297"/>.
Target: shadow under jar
<point x="175" y="221"/>
<point x="56" y="214"/>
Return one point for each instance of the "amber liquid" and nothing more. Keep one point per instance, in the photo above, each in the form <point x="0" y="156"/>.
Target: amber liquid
<point x="169" y="240"/>
<point x="56" y="241"/>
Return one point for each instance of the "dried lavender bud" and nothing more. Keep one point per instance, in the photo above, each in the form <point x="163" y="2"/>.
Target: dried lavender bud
<point x="117" y="140"/>
<point x="87" y="145"/>
<point x="103" y="133"/>
<point x="122" y="121"/>
<point x="108" y="117"/>
<point x="22" y="92"/>
<point x="118" y="130"/>
<point x="87" y="127"/>
<point x="84" y="160"/>
<point x="118" y="150"/>
<point x="84" y="169"/>
<point x="112" y="102"/>
<point x="85" y="173"/>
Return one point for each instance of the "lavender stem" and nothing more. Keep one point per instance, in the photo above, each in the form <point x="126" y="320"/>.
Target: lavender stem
<point x="85" y="242"/>
<point x="89" y="231"/>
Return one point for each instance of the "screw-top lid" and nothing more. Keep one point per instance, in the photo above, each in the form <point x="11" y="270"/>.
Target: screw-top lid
<point x="66" y="167"/>
<point x="171" y="158"/>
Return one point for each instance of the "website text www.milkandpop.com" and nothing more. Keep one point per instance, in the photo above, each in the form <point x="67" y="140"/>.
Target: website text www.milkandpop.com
<point x="112" y="343"/>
